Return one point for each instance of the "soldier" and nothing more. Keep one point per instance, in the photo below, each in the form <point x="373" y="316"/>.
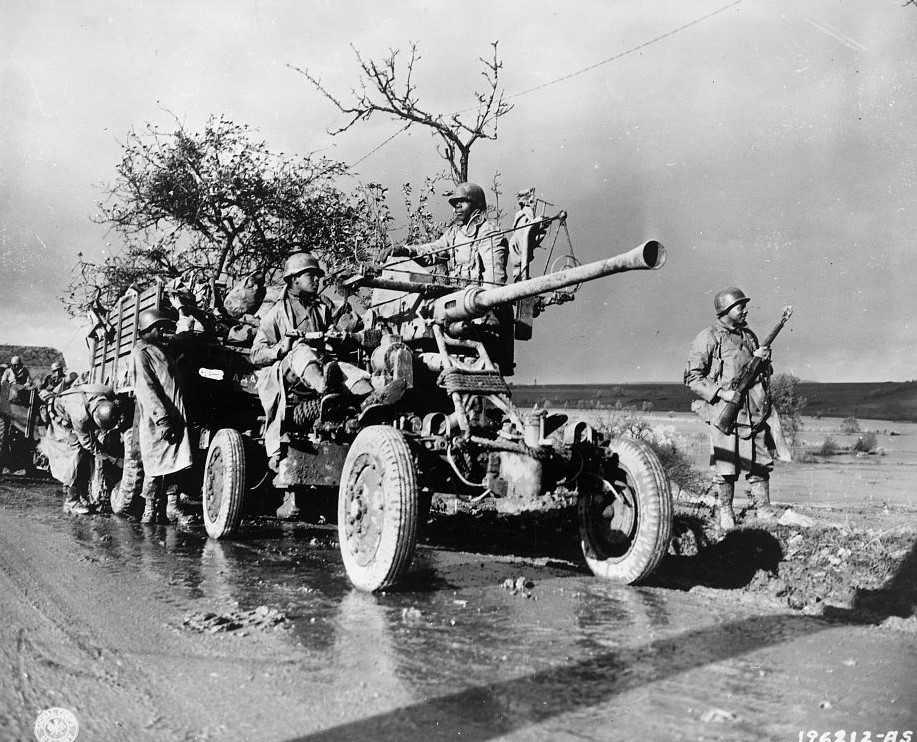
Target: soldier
<point x="473" y="252"/>
<point x="284" y="360"/>
<point x="165" y="444"/>
<point x="19" y="380"/>
<point x="471" y="248"/>
<point x="718" y="356"/>
<point x="53" y="381"/>
<point x="79" y="416"/>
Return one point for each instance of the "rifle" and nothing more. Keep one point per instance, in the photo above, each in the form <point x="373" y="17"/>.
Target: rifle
<point x="726" y="420"/>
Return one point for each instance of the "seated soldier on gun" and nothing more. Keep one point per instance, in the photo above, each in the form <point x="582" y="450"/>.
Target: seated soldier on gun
<point x="286" y="360"/>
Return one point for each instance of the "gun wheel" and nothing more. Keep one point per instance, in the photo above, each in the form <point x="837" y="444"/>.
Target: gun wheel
<point x="378" y="508"/>
<point x="625" y="516"/>
<point x="125" y="495"/>
<point x="224" y="483"/>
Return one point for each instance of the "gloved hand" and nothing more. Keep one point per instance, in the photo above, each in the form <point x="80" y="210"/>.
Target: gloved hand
<point x="763" y="353"/>
<point x="172" y="433"/>
<point x="395" y="251"/>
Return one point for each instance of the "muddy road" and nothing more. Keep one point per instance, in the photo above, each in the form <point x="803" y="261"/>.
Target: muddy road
<point x="157" y="633"/>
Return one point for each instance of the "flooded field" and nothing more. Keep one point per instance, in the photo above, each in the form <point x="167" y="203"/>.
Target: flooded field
<point x="160" y="633"/>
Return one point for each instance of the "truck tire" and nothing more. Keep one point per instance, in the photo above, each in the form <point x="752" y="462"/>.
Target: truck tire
<point x="625" y="516"/>
<point x="377" y="508"/>
<point x="125" y="495"/>
<point x="4" y="442"/>
<point x="224" y="483"/>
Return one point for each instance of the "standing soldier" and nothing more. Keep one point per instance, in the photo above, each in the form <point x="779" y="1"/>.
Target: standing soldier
<point x="79" y="415"/>
<point x="165" y="445"/>
<point x="471" y="248"/>
<point x="474" y="253"/>
<point x="717" y="357"/>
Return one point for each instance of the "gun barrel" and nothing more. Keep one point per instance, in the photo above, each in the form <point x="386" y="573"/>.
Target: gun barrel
<point x="476" y="301"/>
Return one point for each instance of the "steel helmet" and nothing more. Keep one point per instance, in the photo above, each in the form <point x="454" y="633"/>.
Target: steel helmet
<point x="149" y="318"/>
<point x="300" y="262"/>
<point x="727" y="299"/>
<point x="472" y="191"/>
<point x="57" y="366"/>
<point x="15" y="361"/>
<point x="106" y="414"/>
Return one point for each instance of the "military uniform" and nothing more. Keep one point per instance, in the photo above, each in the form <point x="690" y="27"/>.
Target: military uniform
<point x="717" y="357"/>
<point x="478" y="253"/>
<point x="72" y="446"/>
<point x="20" y="383"/>
<point x="278" y="373"/>
<point x="160" y="408"/>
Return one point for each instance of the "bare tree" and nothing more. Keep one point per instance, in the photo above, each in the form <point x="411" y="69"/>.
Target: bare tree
<point x="386" y="89"/>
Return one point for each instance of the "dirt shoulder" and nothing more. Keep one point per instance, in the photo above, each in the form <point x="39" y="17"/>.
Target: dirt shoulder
<point x="858" y="564"/>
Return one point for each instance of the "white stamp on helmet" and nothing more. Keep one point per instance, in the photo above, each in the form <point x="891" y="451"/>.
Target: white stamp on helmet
<point x="56" y="725"/>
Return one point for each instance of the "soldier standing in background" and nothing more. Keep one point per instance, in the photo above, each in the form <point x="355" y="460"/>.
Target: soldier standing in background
<point x="53" y="381"/>
<point x="165" y="445"/>
<point x="18" y="378"/>
<point x="717" y="357"/>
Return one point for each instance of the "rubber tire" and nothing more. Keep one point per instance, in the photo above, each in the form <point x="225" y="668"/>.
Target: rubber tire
<point x="223" y="487"/>
<point x="125" y="495"/>
<point x="4" y="442"/>
<point x="647" y="524"/>
<point x="379" y="459"/>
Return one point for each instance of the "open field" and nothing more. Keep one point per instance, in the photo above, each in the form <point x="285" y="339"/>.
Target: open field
<point x="875" y="400"/>
<point x="887" y="477"/>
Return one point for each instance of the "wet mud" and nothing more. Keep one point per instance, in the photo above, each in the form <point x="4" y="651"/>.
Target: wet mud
<point x="500" y="633"/>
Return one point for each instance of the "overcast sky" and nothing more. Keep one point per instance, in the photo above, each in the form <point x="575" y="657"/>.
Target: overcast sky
<point x="771" y="146"/>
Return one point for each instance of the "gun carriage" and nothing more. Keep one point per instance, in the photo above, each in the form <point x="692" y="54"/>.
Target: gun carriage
<point x="449" y="426"/>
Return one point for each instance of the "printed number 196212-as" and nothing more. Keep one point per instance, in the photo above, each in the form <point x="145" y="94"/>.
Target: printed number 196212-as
<point x="844" y="736"/>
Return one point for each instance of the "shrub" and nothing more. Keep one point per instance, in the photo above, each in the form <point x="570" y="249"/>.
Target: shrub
<point x="627" y="422"/>
<point x="850" y="425"/>
<point x="788" y="403"/>
<point x="828" y="447"/>
<point x="866" y="443"/>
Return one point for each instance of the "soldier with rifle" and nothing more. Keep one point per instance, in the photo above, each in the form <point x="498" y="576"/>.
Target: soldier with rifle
<point x="730" y="372"/>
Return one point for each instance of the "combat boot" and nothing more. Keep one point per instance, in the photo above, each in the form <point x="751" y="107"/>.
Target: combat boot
<point x="73" y="505"/>
<point x="154" y="507"/>
<point x="726" y="518"/>
<point x="174" y="513"/>
<point x="761" y="499"/>
<point x="289" y="510"/>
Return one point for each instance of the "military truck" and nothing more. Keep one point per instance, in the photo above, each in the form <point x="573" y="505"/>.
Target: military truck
<point x="449" y="427"/>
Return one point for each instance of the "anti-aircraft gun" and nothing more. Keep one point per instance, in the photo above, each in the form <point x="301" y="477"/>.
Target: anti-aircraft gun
<point x="456" y="429"/>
